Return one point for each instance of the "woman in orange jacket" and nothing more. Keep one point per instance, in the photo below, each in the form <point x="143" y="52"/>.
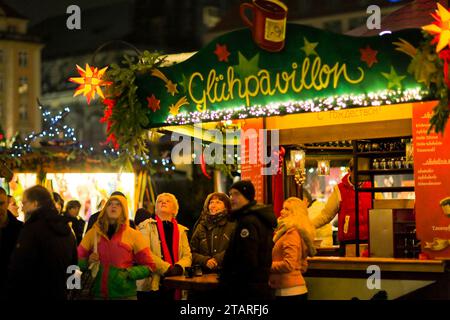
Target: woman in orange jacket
<point x="290" y="251"/>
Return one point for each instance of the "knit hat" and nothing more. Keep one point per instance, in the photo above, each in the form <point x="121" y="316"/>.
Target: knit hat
<point x="246" y="188"/>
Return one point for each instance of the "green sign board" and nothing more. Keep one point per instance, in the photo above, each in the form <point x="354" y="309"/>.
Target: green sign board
<point x="233" y="78"/>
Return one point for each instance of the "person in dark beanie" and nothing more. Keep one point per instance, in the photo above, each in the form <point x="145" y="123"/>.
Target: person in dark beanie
<point x="93" y="218"/>
<point x="247" y="261"/>
<point x="10" y="229"/>
<point x="44" y="251"/>
<point x="76" y="222"/>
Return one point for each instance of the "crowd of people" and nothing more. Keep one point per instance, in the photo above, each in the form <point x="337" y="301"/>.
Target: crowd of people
<point x="255" y="255"/>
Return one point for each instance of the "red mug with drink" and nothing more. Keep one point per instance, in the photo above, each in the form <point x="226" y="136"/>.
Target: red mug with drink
<point x="268" y="24"/>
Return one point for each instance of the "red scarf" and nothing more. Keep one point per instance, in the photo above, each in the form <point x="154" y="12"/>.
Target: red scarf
<point x="175" y="240"/>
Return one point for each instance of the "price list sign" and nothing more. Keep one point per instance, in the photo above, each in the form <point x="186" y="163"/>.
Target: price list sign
<point x="432" y="183"/>
<point x="251" y="165"/>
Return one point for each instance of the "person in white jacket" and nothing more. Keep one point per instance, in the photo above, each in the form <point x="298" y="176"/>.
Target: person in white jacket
<point x="169" y="246"/>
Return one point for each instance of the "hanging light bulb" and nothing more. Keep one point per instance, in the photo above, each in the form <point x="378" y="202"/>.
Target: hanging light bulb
<point x="323" y="168"/>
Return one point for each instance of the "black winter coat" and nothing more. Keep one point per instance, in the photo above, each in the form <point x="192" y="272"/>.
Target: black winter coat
<point x="45" y="249"/>
<point x="77" y="226"/>
<point x="247" y="261"/>
<point x="8" y="239"/>
<point x="210" y="239"/>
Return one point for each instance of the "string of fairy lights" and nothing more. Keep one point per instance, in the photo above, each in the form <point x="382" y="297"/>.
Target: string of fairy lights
<point x="337" y="102"/>
<point x="55" y="133"/>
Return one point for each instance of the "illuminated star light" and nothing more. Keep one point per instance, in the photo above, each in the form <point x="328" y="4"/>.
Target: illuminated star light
<point x="440" y="28"/>
<point x="90" y="82"/>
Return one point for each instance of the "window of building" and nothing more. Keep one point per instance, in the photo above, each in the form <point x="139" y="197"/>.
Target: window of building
<point x="211" y="16"/>
<point x="357" y="22"/>
<point x="23" y="85"/>
<point x="12" y="29"/>
<point x="333" y="26"/>
<point x="23" y="111"/>
<point x="23" y="59"/>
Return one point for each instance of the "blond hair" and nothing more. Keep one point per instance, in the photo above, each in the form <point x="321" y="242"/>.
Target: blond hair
<point x="171" y="196"/>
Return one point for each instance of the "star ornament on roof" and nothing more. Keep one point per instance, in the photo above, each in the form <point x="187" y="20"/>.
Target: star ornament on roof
<point x="153" y="103"/>
<point x="90" y="82"/>
<point x="222" y="52"/>
<point x="394" y="80"/>
<point x="368" y="55"/>
<point x="440" y="28"/>
<point x="309" y="47"/>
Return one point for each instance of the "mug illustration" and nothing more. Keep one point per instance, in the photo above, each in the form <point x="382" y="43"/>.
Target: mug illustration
<point x="445" y="205"/>
<point x="268" y="24"/>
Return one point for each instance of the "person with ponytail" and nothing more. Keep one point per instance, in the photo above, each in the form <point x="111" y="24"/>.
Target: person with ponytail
<point x="169" y="244"/>
<point x="290" y="252"/>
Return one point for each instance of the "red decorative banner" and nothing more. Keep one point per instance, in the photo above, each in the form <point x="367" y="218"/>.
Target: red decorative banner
<point x="251" y="166"/>
<point x="432" y="183"/>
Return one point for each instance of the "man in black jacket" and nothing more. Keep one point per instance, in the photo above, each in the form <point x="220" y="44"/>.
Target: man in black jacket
<point x="10" y="229"/>
<point x="44" y="251"/>
<point x="247" y="261"/>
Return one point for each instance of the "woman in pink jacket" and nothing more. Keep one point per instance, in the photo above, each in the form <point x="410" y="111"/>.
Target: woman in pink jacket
<point x="290" y="251"/>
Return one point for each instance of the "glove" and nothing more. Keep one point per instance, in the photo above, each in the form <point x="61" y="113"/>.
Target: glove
<point x="138" y="272"/>
<point x="175" y="270"/>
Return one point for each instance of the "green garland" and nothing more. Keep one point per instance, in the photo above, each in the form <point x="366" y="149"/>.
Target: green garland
<point x="129" y="117"/>
<point x="428" y="68"/>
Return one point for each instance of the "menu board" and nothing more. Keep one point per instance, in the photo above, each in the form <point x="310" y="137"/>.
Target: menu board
<point x="432" y="183"/>
<point x="251" y="166"/>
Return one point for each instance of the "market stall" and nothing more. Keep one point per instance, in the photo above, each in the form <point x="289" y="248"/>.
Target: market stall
<point x="295" y="87"/>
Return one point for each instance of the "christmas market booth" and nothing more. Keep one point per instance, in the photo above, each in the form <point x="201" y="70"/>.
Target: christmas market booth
<point x="303" y="102"/>
<point x="55" y="159"/>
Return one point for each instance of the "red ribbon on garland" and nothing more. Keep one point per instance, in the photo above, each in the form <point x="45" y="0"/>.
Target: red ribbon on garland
<point x="277" y="181"/>
<point x="203" y="166"/>
<point x="109" y="104"/>
<point x="444" y="55"/>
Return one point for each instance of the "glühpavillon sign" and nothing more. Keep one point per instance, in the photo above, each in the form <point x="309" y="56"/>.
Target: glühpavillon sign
<point x="306" y="70"/>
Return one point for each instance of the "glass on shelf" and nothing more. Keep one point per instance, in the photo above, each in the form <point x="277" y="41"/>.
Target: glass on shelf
<point x="375" y="164"/>
<point x="383" y="164"/>
<point x="368" y="147"/>
<point x="390" y="164"/>
<point x="398" y="163"/>
<point x="375" y="146"/>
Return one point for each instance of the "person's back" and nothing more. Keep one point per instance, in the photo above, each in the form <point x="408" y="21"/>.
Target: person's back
<point x="247" y="261"/>
<point x="44" y="251"/>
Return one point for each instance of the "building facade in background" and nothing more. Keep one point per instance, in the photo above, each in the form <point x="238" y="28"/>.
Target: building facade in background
<point x="20" y="74"/>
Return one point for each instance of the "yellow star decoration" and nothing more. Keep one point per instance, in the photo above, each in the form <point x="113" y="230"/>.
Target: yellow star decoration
<point x="174" y="109"/>
<point x="440" y="28"/>
<point x="309" y="47"/>
<point x="394" y="79"/>
<point x="171" y="87"/>
<point x="90" y="82"/>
